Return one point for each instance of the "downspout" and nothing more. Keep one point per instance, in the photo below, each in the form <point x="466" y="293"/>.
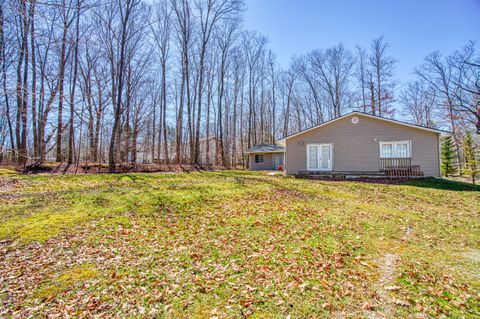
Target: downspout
<point x="439" y="157"/>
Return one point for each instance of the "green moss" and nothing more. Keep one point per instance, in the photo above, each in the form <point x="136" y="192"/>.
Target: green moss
<point x="235" y="243"/>
<point x="4" y="172"/>
<point x="68" y="279"/>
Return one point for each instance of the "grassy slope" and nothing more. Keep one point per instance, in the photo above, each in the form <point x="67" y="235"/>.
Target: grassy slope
<point x="233" y="244"/>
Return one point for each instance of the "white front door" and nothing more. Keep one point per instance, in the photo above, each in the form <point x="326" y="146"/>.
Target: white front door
<point x="319" y="157"/>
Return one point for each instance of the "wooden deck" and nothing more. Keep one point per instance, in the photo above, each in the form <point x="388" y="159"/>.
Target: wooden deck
<point x="388" y="168"/>
<point x="399" y="167"/>
<point x="339" y="174"/>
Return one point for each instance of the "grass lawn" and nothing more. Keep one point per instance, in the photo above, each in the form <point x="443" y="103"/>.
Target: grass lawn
<point x="237" y="244"/>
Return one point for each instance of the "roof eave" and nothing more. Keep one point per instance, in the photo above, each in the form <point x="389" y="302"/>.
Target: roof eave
<point x="445" y="133"/>
<point x="264" y="152"/>
<point x="283" y="140"/>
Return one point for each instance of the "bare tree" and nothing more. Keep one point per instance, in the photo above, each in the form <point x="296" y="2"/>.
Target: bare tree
<point x="361" y="75"/>
<point x="161" y="32"/>
<point x="3" y="61"/>
<point x="184" y="32"/>
<point x="334" y="66"/>
<point x="382" y="67"/>
<point x="67" y="10"/>
<point x="466" y="66"/>
<point x="126" y="10"/>
<point x="22" y="82"/>
<point x="273" y="76"/>
<point x="74" y="83"/>
<point x="210" y="13"/>
<point x="419" y="100"/>
<point x="225" y="38"/>
<point x="439" y="75"/>
<point x="254" y="48"/>
<point x="302" y="66"/>
<point x="48" y="85"/>
<point x="289" y="81"/>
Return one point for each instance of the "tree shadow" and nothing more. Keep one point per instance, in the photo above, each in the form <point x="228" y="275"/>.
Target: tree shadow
<point x="442" y="183"/>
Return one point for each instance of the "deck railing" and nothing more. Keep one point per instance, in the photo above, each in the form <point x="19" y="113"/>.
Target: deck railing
<point x="399" y="167"/>
<point x="395" y="162"/>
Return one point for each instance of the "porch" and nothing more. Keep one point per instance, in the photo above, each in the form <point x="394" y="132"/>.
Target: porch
<point x="387" y="167"/>
<point x="399" y="167"/>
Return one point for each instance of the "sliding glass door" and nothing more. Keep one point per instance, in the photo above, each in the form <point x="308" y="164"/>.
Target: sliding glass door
<point x="319" y="157"/>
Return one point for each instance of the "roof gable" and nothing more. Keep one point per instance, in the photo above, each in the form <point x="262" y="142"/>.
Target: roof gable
<point x="282" y="140"/>
<point x="266" y="148"/>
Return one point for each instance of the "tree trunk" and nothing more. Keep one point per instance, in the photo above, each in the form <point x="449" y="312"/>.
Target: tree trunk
<point x="34" y="83"/>
<point x="164" y="110"/>
<point x="4" y="76"/>
<point x="189" y="105"/>
<point x="219" y="147"/>
<point x="118" y="103"/>
<point x="372" y="97"/>
<point x="234" y="129"/>
<point x="74" y="82"/>
<point x="207" y="129"/>
<point x="134" y="141"/>
<point x="61" y="78"/>
<point x="196" y="156"/>
<point x="23" y="144"/>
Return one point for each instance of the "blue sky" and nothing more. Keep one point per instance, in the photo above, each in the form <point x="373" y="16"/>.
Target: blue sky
<point x="413" y="28"/>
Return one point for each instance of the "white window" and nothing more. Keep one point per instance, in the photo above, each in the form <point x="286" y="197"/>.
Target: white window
<point x="319" y="157"/>
<point x="258" y="158"/>
<point x="312" y="157"/>
<point x="396" y="149"/>
<point x="386" y="149"/>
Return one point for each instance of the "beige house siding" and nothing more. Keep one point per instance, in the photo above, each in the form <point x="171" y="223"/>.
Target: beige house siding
<point x="356" y="146"/>
<point x="266" y="165"/>
<point x="267" y="162"/>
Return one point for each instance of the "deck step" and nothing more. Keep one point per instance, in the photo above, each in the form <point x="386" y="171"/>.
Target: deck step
<point x="413" y="170"/>
<point x="339" y="173"/>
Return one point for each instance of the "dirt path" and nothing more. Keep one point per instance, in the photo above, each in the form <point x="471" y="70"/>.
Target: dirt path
<point x="384" y="305"/>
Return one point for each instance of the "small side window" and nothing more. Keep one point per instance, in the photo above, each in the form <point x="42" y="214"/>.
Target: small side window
<point x="258" y="158"/>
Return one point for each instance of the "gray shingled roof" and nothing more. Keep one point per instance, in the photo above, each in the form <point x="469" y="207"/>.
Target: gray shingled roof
<point x="266" y="148"/>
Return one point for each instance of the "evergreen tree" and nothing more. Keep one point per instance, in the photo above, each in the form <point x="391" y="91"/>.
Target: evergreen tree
<point x="471" y="163"/>
<point x="447" y="156"/>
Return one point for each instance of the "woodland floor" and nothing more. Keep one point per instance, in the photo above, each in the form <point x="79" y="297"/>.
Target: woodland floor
<point x="232" y="244"/>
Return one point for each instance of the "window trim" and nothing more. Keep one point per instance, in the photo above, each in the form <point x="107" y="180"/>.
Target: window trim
<point x="262" y="157"/>
<point x="394" y="148"/>
<point x="331" y="157"/>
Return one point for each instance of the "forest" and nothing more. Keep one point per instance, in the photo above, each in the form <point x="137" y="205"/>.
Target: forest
<point x="185" y="82"/>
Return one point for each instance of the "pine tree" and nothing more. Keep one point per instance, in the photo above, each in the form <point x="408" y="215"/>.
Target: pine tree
<point x="471" y="163"/>
<point x="447" y="156"/>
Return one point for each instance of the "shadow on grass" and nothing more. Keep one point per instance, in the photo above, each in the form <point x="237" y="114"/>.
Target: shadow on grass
<point x="445" y="184"/>
<point x="426" y="182"/>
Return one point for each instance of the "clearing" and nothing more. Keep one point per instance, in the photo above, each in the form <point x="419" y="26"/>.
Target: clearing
<point x="234" y="244"/>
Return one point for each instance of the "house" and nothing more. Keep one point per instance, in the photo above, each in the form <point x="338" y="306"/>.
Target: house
<point x="265" y="157"/>
<point x="356" y="144"/>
